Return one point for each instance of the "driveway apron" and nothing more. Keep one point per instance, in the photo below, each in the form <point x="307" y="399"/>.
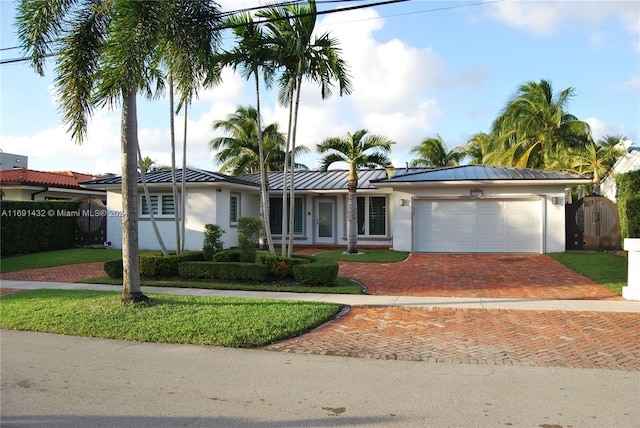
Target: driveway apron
<point x="518" y="276"/>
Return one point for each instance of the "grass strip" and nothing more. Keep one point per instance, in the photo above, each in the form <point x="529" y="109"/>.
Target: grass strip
<point x="607" y="269"/>
<point x="217" y="321"/>
<point x="342" y="285"/>
<point x="58" y="258"/>
<point x="364" y="255"/>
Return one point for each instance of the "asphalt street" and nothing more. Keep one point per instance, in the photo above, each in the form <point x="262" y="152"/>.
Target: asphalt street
<point x="61" y="381"/>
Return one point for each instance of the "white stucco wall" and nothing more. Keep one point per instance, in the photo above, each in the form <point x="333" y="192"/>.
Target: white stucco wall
<point x="203" y="206"/>
<point x="553" y="215"/>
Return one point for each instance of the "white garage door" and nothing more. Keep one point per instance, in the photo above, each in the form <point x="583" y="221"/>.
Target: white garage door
<point x="477" y="226"/>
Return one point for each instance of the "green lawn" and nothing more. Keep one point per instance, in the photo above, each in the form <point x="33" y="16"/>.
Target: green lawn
<point x="231" y="322"/>
<point x="342" y="286"/>
<point x="364" y="255"/>
<point x="58" y="258"/>
<point x="607" y="269"/>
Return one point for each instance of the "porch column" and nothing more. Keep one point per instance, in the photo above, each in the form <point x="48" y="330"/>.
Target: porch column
<point x="632" y="290"/>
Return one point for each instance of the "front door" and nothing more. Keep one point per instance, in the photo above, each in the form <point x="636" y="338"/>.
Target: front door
<point x="325" y="224"/>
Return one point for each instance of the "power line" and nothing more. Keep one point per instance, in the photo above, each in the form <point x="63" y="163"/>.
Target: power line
<point x="293" y="2"/>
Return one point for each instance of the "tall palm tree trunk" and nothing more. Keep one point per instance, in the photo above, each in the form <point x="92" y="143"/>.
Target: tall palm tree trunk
<point x="285" y="178"/>
<point x="264" y="196"/>
<point x="292" y="190"/>
<point x="352" y="217"/>
<point x="131" y="292"/>
<point x="174" y="184"/>
<point x="152" y="217"/>
<point x="183" y="184"/>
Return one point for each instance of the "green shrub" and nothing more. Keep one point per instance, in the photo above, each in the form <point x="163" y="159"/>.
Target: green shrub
<point x="320" y="272"/>
<point x="113" y="268"/>
<point x="37" y="226"/>
<point x="628" y="187"/>
<point x="158" y="266"/>
<point x="249" y="231"/>
<point x="212" y="242"/>
<point x="278" y="266"/>
<point x="631" y="209"/>
<point x="224" y="271"/>
<point x="228" y="256"/>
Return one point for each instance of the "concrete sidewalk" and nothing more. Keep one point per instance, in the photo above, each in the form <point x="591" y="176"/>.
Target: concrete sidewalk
<point x="364" y="300"/>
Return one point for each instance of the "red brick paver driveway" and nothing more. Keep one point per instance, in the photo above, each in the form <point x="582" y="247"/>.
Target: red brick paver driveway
<point x="500" y="337"/>
<point x="530" y="276"/>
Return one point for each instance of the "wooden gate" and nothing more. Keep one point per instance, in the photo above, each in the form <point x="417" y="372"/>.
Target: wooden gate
<point x="592" y="224"/>
<point x="92" y="223"/>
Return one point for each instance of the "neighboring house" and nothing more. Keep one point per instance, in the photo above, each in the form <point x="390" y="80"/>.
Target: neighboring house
<point x="10" y="161"/>
<point x="629" y="162"/>
<point x="470" y="208"/>
<point x="22" y="184"/>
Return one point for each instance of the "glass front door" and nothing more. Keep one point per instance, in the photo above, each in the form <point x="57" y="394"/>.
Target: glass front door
<point x="324" y="222"/>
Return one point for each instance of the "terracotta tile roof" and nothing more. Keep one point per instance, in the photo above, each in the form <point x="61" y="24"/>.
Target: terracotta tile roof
<point x="23" y="176"/>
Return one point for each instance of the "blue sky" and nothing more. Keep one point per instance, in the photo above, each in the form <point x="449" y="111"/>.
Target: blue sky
<point x="419" y="69"/>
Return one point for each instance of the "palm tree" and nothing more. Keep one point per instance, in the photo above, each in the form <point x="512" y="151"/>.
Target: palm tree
<point x="433" y="152"/>
<point x="357" y="150"/>
<point x="290" y="29"/>
<point x="254" y="56"/>
<point x="477" y="148"/>
<point x="534" y="125"/>
<point x="107" y="52"/>
<point x="597" y="158"/>
<point x="238" y="152"/>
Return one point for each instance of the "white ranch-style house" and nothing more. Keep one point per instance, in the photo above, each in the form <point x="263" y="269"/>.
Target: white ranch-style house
<point x="462" y="209"/>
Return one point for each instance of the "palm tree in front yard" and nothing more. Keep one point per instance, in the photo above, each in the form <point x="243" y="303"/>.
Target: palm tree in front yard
<point x="357" y="150"/>
<point x="108" y="52"/>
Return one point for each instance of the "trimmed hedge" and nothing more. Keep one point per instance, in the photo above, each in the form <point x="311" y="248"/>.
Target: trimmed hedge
<point x="280" y="267"/>
<point x="228" y="256"/>
<point x="37" y="226"/>
<point x="631" y="209"/>
<point x="628" y="189"/>
<point x="154" y="266"/>
<point x="320" y="272"/>
<point x="224" y="270"/>
<point x="113" y="268"/>
<point x="158" y="266"/>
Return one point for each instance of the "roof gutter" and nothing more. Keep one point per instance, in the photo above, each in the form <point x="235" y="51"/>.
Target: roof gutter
<point x="33" y="195"/>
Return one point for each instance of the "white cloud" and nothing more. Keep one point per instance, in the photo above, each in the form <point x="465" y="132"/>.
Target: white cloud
<point x="547" y="17"/>
<point x="600" y="129"/>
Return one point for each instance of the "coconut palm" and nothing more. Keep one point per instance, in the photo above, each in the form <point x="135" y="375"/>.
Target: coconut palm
<point x="433" y="152"/>
<point x="238" y="152"/>
<point x="597" y="158"/>
<point x="358" y="150"/>
<point x="254" y="56"/>
<point x="534" y="125"/>
<point x="290" y="29"/>
<point x="108" y="52"/>
<point x="477" y="148"/>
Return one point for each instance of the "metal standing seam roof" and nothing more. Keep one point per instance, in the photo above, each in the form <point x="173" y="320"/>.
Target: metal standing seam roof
<point x="193" y="175"/>
<point x="322" y="180"/>
<point x="367" y="178"/>
<point x="480" y="173"/>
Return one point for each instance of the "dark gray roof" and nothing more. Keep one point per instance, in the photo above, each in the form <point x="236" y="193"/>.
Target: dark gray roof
<point x="194" y="175"/>
<point x="479" y="173"/>
<point x="329" y="180"/>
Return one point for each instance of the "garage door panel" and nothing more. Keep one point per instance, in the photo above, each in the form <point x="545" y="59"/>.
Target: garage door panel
<point x="478" y="226"/>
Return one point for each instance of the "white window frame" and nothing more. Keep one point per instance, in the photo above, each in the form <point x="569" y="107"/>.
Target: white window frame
<point x="367" y="216"/>
<point x="159" y="197"/>
<point x="238" y="208"/>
